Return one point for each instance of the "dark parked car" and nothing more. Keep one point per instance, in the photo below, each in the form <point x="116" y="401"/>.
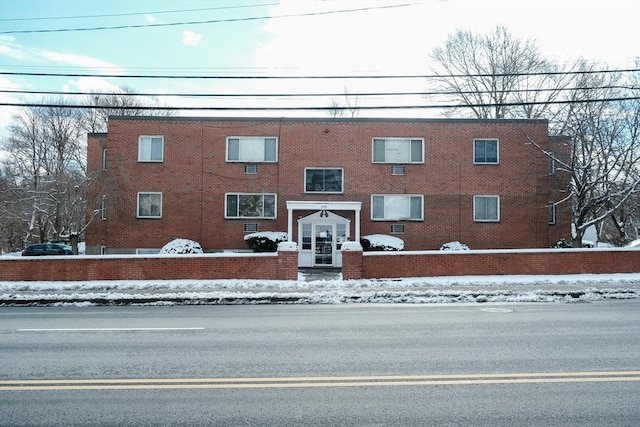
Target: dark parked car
<point x="47" y="249"/>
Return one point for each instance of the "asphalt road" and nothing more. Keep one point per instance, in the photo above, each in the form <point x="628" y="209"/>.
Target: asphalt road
<point x="366" y="365"/>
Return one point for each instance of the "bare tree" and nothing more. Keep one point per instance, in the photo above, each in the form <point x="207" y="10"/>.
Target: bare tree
<point x="496" y="75"/>
<point x="348" y="109"/>
<point x="603" y="170"/>
<point x="46" y="164"/>
<point x="122" y="102"/>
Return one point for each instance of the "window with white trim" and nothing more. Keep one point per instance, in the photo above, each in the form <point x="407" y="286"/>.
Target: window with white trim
<point x="551" y="167"/>
<point x="485" y="151"/>
<point x="317" y="180"/>
<point x="149" y="205"/>
<point x="552" y="213"/>
<point x="486" y="208"/>
<point x="104" y="159"/>
<point x="398" y="150"/>
<point x="252" y="149"/>
<point x="243" y="205"/>
<point x="151" y="148"/>
<point x="392" y="207"/>
<point x="103" y="207"/>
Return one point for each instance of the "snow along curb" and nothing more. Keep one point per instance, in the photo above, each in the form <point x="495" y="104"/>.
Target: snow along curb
<point x="327" y="297"/>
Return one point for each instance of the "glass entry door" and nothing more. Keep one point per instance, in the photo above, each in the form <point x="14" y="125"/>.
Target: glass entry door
<point x="324" y="245"/>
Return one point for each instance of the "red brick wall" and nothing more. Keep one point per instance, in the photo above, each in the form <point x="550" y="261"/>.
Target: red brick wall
<point x="195" y="176"/>
<point x="271" y="266"/>
<point x="535" y="262"/>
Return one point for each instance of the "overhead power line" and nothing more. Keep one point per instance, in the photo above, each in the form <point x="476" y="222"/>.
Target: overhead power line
<point x="210" y="21"/>
<point x="111" y="15"/>
<point x="302" y="94"/>
<point x="315" y="108"/>
<point x="311" y="77"/>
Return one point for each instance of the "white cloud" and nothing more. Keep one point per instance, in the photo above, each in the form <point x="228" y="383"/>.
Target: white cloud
<point x="95" y="64"/>
<point x="151" y="19"/>
<point x="189" y="38"/>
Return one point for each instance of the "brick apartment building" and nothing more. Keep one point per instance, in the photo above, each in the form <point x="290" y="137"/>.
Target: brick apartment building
<point x="324" y="181"/>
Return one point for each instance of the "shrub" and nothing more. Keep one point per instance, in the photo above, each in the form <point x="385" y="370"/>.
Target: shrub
<point x="381" y="242"/>
<point x="181" y="246"/>
<point x="454" y="246"/>
<point x="266" y="241"/>
<point x="561" y="244"/>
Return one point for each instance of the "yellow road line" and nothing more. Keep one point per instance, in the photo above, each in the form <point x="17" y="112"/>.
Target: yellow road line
<point x="315" y="382"/>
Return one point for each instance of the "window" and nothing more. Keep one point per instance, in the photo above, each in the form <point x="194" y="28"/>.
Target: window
<point x="323" y="180"/>
<point x="552" y="213"/>
<point x="486" y="208"/>
<point x="485" y="151"/>
<point x="240" y="205"/>
<point x="103" y="250"/>
<point x="552" y="164"/>
<point x="147" y="251"/>
<point x="252" y="149"/>
<point x="149" y="205"/>
<point x="306" y="237"/>
<point x="151" y="149"/>
<point x="103" y="208"/>
<point x="396" y="207"/>
<point x="398" y="150"/>
<point x="104" y="159"/>
<point x="397" y="229"/>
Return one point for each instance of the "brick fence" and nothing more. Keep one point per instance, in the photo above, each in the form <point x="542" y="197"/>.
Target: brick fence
<point x="282" y="265"/>
<point x="369" y="265"/>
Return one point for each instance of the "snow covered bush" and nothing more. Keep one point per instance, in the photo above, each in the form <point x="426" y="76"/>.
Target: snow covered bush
<point x="560" y="244"/>
<point x="454" y="246"/>
<point x="265" y="241"/>
<point x="181" y="246"/>
<point x="381" y="242"/>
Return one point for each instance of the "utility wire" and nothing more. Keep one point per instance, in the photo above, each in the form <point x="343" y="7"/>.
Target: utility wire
<point x="326" y="108"/>
<point x="374" y="76"/>
<point x="48" y="18"/>
<point x="211" y="21"/>
<point x="301" y="95"/>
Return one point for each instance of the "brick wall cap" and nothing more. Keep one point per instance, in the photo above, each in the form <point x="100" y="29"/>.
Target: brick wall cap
<point x="351" y="247"/>
<point x="287" y="247"/>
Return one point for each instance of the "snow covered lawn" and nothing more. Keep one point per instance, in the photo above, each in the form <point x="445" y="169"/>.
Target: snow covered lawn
<point x="465" y="289"/>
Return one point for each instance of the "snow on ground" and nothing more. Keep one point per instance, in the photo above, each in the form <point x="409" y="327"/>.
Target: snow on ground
<point x="311" y="288"/>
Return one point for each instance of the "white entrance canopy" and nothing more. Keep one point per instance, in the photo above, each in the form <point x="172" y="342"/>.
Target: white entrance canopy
<point x="327" y="206"/>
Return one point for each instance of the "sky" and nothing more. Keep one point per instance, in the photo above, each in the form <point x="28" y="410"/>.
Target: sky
<point x="281" y="38"/>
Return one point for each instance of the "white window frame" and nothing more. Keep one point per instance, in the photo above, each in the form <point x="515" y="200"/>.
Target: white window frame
<point x="395" y="159"/>
<point x="238" y="216"/>
<point x="551" y="216"/>
<point x="324" y="192"/>
<point x="142" y="151"/>
<point x="140" y="193"/>
<point x="475" y="212"/>
<point x="104" y="159"/>
<point x="485" y="162"/>
<point x="103" y="207"/>
<point x="551" y="168"/>
<point x="388" y="200"/>
<point x="250" y="156"/>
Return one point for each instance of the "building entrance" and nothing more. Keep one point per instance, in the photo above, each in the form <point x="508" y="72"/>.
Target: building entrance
<point x="320" y="238"/>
